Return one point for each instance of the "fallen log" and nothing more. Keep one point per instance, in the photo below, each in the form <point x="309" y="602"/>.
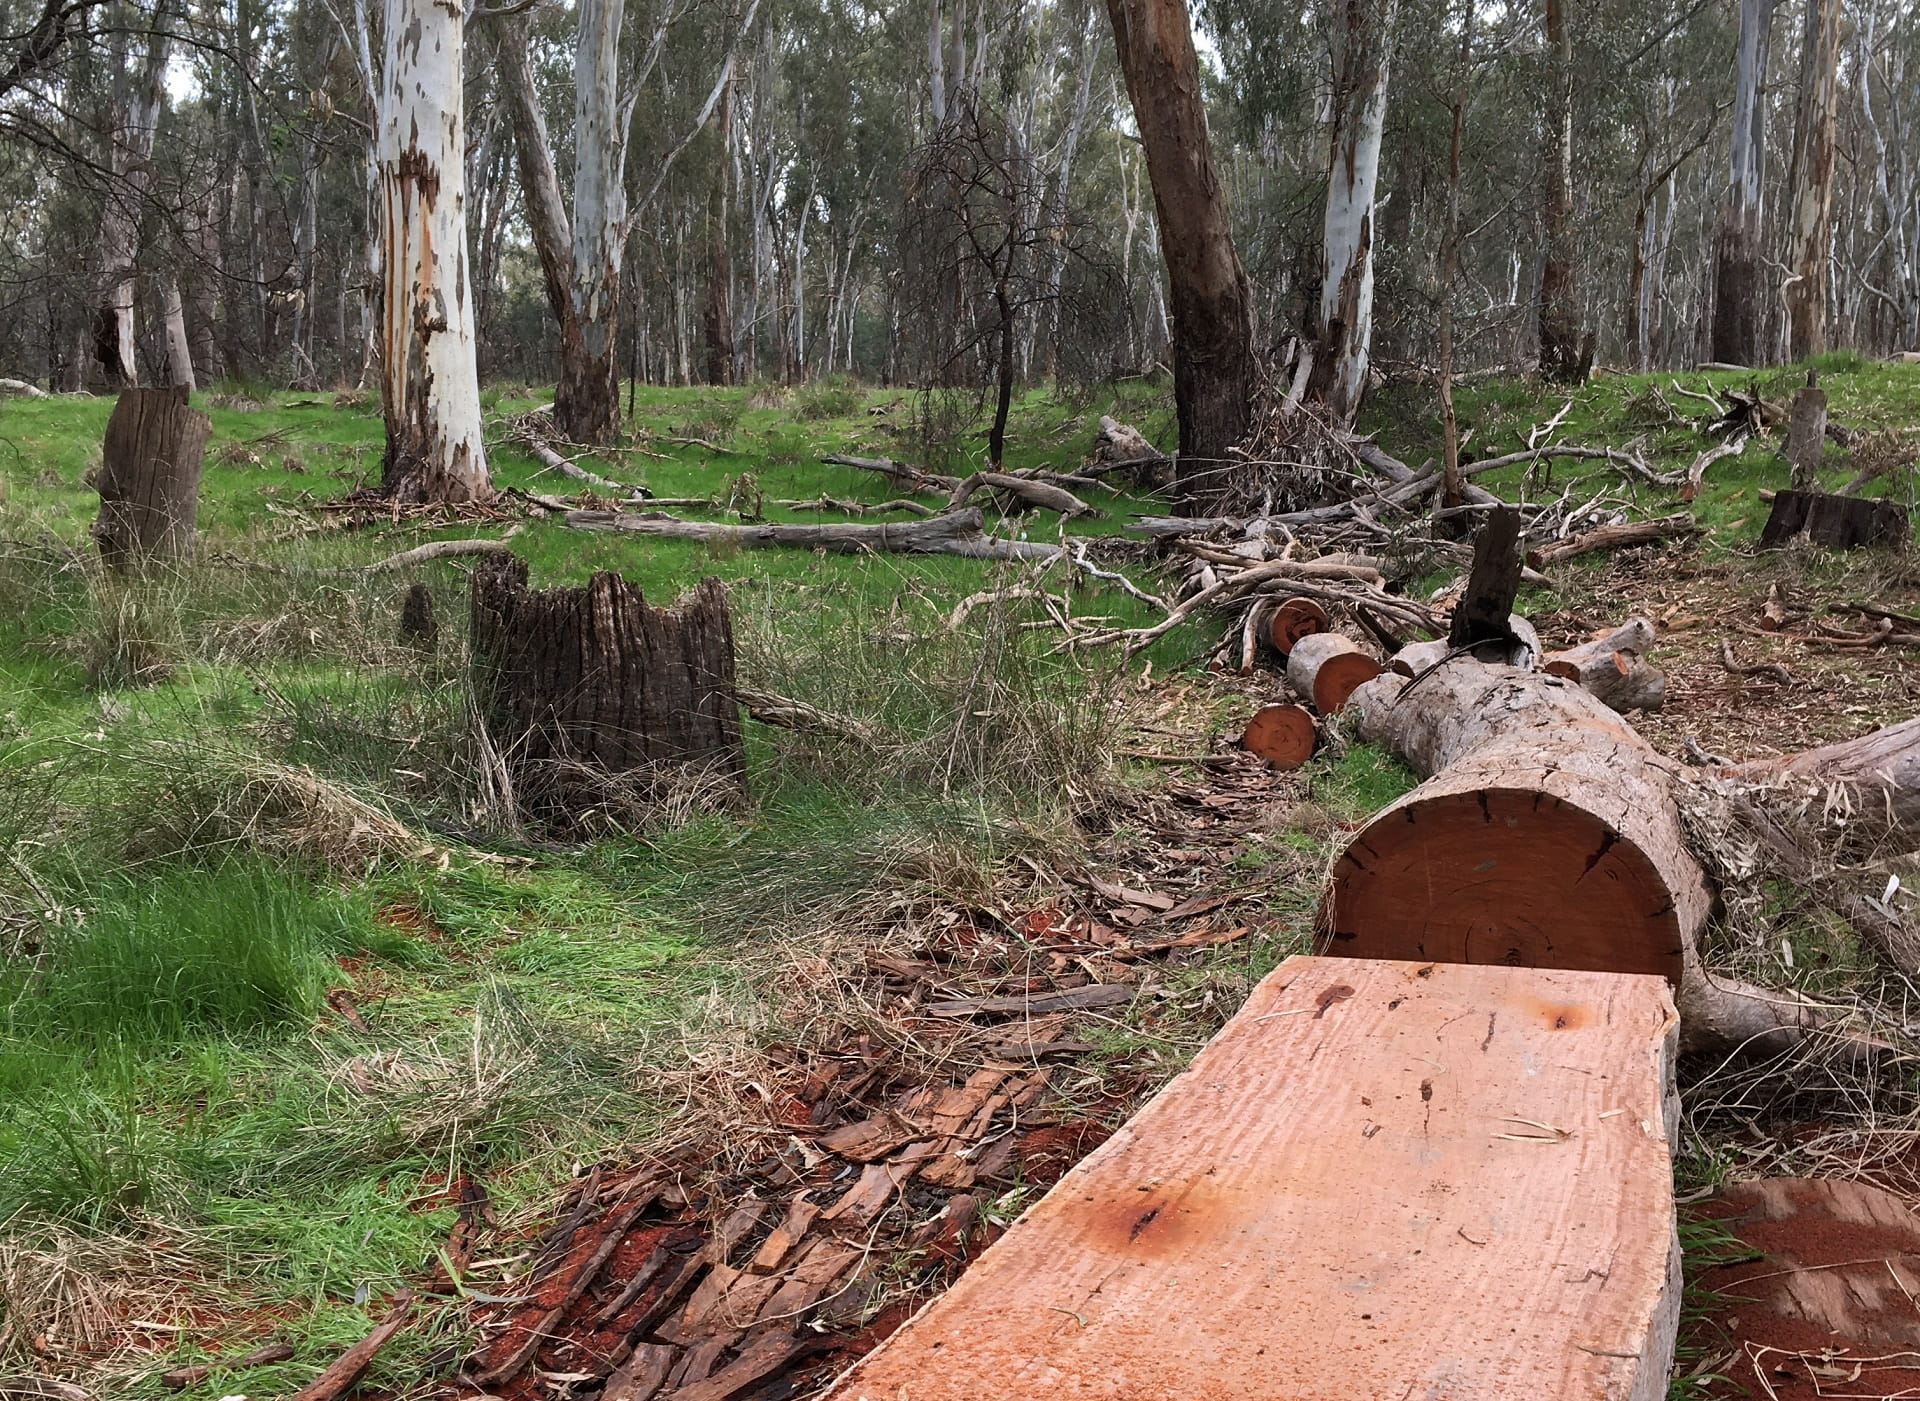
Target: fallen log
<point x="1612" y="537"/>
<point x="1034" y="493"/>
<point x="1614" y="667"/>
<point x="789" y="714"/>
<point x="1117" y="446"/>
<point x="1547" y="833"/>
<point x="1880" y="770"/>
<point x="1326" y="668"/>
<point x="1380" y="1180"/>
<point x="545" y="454"/>
<point x="1283" y="735"/>
<point x="22" y="387"/>
<point x="903" y="474"/>
<point x="950" y="533"/>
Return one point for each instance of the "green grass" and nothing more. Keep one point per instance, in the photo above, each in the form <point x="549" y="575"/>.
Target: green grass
<point x="171" y="921"/>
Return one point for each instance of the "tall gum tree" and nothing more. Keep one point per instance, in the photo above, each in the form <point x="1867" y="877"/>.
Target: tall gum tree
<point x="430" y="387"/>
<point x="1362" y="44"/>
<point x="1814" y="129"/>
<point x="1736" y="253"/>
<point x="1214" y="369"/>
<point x="108" y="336"/>
<point x="1562" y="356"/>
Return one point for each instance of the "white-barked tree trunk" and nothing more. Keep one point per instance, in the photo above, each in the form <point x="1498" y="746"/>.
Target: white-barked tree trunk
<point x="429" y="374"/>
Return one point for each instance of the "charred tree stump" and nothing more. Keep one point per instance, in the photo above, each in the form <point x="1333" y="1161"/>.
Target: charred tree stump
<point x="604" y="707"/>
<point x="149" y="480"/>
<point x="1836" y="522"/>
<point x="1485" y="611"/>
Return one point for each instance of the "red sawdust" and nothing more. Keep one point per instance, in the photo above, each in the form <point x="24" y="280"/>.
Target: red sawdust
<point x="1770" y="1327"/>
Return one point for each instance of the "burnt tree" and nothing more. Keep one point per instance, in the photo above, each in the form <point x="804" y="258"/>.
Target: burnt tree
<point x="600" y="705"/>
<point x="1215" y="371"/>
<point x="149" y="480"/>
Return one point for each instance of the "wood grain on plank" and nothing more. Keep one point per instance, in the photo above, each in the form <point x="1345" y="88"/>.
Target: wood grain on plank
<point x="1382" y="1179"/>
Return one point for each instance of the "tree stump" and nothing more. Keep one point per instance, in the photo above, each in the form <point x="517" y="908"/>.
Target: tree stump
<point x="1807" y="434"/>
<point x="1837" y="522"/>
<point x="419" y="623"/>
<point x="607" y="711"/>
<point x="149" y="481"/>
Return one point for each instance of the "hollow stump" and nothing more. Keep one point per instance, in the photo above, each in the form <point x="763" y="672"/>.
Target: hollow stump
<point x="604" y="707"/>
<point x="149" y="480"/>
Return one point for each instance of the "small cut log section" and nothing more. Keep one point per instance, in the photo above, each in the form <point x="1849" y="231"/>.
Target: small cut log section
<point x="1381" y="1179"/>
<point x="600" y="705"/>
<point x="149" y="479"/>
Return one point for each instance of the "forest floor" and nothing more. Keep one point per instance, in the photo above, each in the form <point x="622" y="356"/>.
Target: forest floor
<point x="285" y="1034"/>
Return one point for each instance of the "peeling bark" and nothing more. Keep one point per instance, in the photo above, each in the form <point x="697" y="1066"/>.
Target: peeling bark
<point x="1814" y="129"/>
<point x="429" y="376"/>
<point x="1736" y="267"/>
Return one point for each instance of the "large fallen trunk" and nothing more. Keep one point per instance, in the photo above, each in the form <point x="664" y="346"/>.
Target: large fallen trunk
<point x="952" y="533"/>
<point x="1879" y="773"/>
<point x="1547" y="834"/>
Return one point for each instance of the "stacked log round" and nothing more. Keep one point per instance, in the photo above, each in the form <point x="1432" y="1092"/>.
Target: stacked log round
<point x="1283" y="735"/>
<point x="1547" y="834"/>
<point x="1327" y="668"/>
<point x="1614" y="668"/>
<point x="1294" y="619"/>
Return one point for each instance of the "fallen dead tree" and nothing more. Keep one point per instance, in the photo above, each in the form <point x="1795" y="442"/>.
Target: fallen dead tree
<point x="1030" y="490"/>
<point x="528" y="436"/>
<point x="1613" y="537"/>
<point x="1876" y="775"/>
<point x="1547" y="832"/>
<point x="950" y="533"/>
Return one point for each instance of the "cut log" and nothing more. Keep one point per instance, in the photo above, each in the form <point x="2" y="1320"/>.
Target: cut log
<point x="1547" y="834"/>
<point x="1614" y="667"/>
<point x="950" y="533"/>
<point x="589" y="692"/>
<point x="1118" y="446"/>
<point x="149" y="480"/>
<point x="1294" y="619"/>
<point x="1807" y="434"/>
<point x="1835" y="522"/>
<point x="1326" y="668"/>
<point x="1380" y="1180"/>
<point x="1283" y="735"/>
<point x="1612" y="537"/>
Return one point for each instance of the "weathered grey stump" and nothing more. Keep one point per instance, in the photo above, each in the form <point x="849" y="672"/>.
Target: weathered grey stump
<point x="149" y="480"/>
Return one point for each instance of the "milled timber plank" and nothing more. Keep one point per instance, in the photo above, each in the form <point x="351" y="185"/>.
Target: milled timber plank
<point x="1381" y="1180"/>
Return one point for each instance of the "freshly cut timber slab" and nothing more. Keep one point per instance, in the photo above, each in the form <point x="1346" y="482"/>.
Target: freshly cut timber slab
<point x="1380" y="1180"/>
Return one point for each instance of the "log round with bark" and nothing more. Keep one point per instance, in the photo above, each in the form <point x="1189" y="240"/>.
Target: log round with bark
<point x="588" y="690"/>
<point x="1327" y="668"/>
<point x="1614" y="667"/>
<point x="1283" y="735"/>
<point x="1294" y="619"/>
<point x="1547" y="833"/>
<point x="149" y="480"/>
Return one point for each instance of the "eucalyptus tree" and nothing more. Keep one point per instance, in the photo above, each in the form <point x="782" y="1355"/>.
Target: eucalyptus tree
<point x="1810" y="233"/>
<point x="1737" y="251"/>
<point x="430" y="387"/>
<point x="1215" y="370"/>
